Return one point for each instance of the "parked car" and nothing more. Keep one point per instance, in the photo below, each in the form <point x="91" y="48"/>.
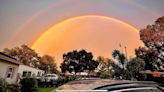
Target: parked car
<point x="106" y="85"/>
<point x="133" y="86"/>
<point x="50" y="77"/>
<point x="48" y="80"/>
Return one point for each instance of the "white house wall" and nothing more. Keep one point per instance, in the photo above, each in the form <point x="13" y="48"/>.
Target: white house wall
<point x="3" y="71"/>
<point x="34" y="71"/>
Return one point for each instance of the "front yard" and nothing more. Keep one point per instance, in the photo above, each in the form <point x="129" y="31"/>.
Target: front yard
<point x="49" y="89"/>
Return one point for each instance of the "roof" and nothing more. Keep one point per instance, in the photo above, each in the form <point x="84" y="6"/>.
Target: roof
<point x="102" y="84"/>
<point x="153" y="73"/>
<point x="8" y="59"/>
<point x="125" y="85"/>
<point x="26" y="66"/>
<point x="91" y="84"/>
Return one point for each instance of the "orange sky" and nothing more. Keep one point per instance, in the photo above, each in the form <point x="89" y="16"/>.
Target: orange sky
<point x="23" y="21"/>
<point x="98" y="34"/>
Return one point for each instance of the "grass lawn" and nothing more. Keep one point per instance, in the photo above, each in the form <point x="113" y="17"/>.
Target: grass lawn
<point x="48" y="89"/>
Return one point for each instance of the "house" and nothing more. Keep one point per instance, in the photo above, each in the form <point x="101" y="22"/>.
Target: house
<point x="8" y="68"/>
<point x="154" y="74"/>
<point x="27" y="71"/>
<point x="12" y="70"/>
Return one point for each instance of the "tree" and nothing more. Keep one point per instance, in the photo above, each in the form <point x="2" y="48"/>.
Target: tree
<point x="28" y="56"/>
<point x="103" y="69"/>
<point x="48" y="64"/>
<point x="24" y="54"/>
<point x="120" y="57"/>
<point x="117" y="70"/>
<point x="103" y="63"/>
<point x="107" y="68"/>
<point x="134" y="66"/>
<point x="149" y="56"/>
<point x="78" y="61"/>
<point x="153" y="38"/>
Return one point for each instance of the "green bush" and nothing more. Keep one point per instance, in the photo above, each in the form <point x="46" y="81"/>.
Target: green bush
<point x="13" y="88"/>
<point x="29" y="85"/>
<point x="71" y="77"/>
<point x="60" y="80"/>
<point x="3" y="85"/>
<point x="64" y="79"/>
<point x="105" y="75"/>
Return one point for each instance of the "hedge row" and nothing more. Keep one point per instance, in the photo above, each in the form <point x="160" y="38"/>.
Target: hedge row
<point x="5" y="87"/>
<point x="31" y="84"/>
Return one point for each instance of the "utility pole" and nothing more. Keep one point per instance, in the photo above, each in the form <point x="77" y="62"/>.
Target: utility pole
<point x="120" y="47"/>
<point x="126" y="53"/>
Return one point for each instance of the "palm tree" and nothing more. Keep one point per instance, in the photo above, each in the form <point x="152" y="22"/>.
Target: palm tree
<point x="121" y="59"/>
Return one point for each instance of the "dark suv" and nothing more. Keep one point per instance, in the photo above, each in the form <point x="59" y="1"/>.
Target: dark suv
<point x="106" y="85"/>
<point x="139" y="86"/>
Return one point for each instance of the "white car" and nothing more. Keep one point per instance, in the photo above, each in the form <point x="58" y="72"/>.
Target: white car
<point x="50" y="77"/>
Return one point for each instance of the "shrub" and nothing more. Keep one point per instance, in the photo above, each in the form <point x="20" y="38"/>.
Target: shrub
<point x="13" y="88"/>
<point x="105" y="75"/>
<point x="64" y="79"/>
<point x="3" y="85"/>
<point x="71" y="77"/>
<point x="29" y="85"/>
<point x="60" y="80"/>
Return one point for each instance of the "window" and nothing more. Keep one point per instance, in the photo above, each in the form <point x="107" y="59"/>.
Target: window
<point x="39" y="74"/>
<point x="157" y="90"/>
<point x="143" y="90"/>
<point x="29" y="74"/>
<point x="10" y="72"/>
<point x="26" y="73"/>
